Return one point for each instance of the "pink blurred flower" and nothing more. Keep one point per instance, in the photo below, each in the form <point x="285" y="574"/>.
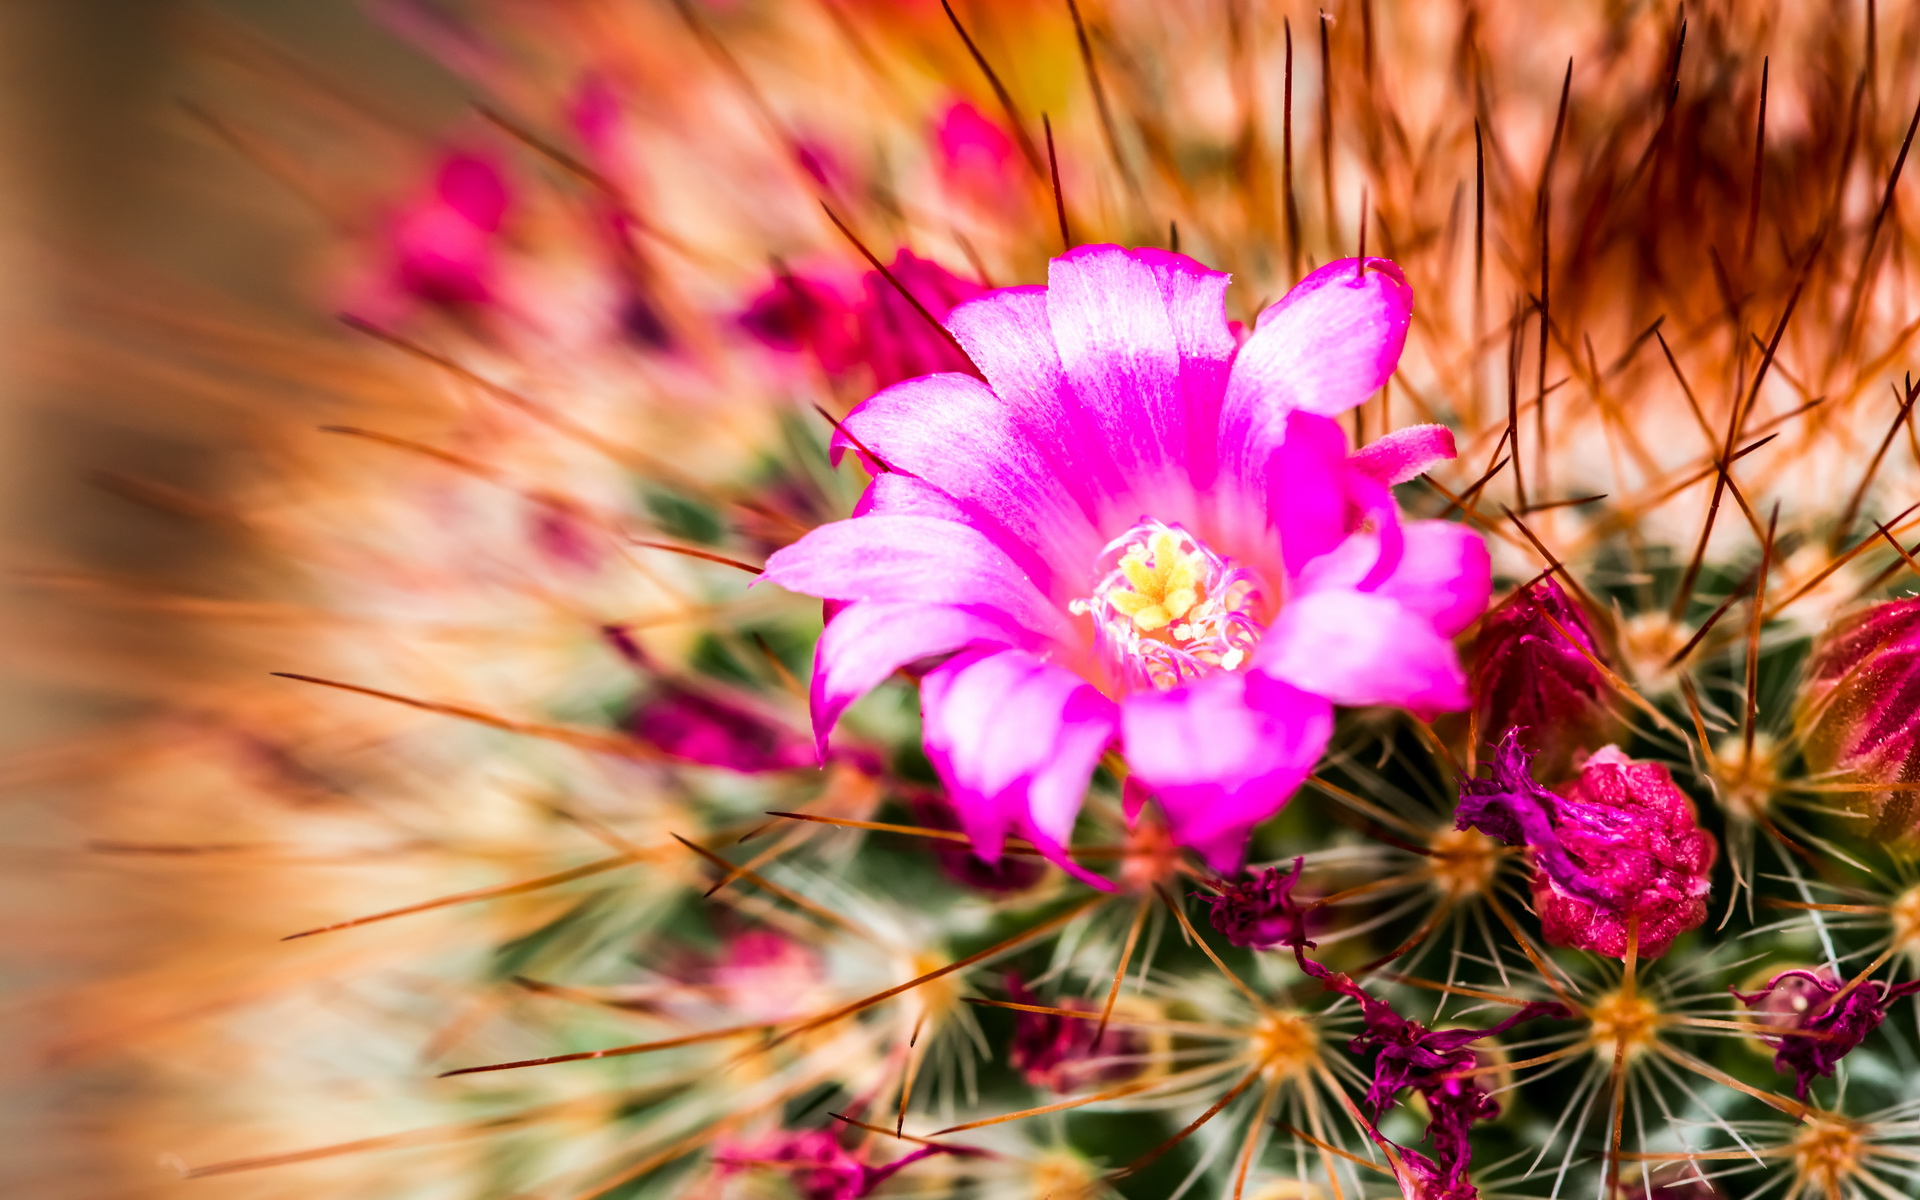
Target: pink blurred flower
<point x="976" y="157"/>
<point x="442" y="248"/>
<point x="820" y="1168"/>
<point x="877" y="328"/>
<point x="1064" y="1054"/>
<point x="1529" y="677"/>
<point x="1620" y="844"/>
<point x="1137" y="533"/>
<point x="1803" y="1001"/>
<point x="712" y="732"/>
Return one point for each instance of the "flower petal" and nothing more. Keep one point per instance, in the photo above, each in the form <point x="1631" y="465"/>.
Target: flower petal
<point x="1196" y="300"/>
<point x="1015" y="740"/>
<point x="995" y="459"/>
<point x="1224" y="754"/>
<point x="1117" y="351"/>
<point x="917" y="559"/>
<point x="1443" y="573"/>
<point x="1359" y="648"/>
<point x="1323" y="347"/>
<point x="1009" y="337"/>
<point x="1308" y="503"/>
<point x="866" y="642"/>
<point x="1405" y="453"/>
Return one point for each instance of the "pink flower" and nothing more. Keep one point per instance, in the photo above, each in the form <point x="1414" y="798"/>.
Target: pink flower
<point x="1531" y="677"/>
<point x="976" y="157"/>
<point x="443" y="246"/>
<point x="1802" y="1000"/>
<point x="1063" y="1054"/>
<point x="1134" y="534"/>
<point x="878" y="329"/>
<point x="1620" y="845"/>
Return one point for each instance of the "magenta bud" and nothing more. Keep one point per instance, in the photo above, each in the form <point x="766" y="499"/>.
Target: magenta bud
<point x="1532" y="677"/>
<point x="1858" y="714"/>
<point x="1618" y="855"/>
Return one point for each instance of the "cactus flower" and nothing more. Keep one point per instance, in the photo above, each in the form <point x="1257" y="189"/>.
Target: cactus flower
<point x="1138" y="533"/>
<point x="1858" y="713"/>
<point x="1539" y="680"/>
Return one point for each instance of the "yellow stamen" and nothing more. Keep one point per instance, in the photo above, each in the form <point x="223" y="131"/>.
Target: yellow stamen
<point x="1165" y="580"/>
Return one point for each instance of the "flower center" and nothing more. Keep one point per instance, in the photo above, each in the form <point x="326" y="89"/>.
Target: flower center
<point x="1168" y="609"/>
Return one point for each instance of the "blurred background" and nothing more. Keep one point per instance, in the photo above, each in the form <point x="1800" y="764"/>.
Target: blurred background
<point x="109" y="186"/>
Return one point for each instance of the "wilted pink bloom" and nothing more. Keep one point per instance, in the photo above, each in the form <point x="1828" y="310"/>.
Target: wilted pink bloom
<point x="1530" y="677"/>
<point x="443" y="247"/>
<point x="1438" y="1064"/>
<point x="1261" y="912"/>
<point x="1802" y="1000"/>
<point x="1858" y="714"/>
<point x="877" y="328"/>
<point x="1135" y="533"/>
<point x="820" y="1168"/>
<point x="1620" y="845"/>
<point x="702" y="729"/>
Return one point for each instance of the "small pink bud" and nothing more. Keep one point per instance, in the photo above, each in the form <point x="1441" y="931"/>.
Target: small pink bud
<point x="1858" y="714"/>
<point x="1528" y="676"/>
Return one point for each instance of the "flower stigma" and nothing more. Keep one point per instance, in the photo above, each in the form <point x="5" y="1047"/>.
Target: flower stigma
<point x="1169" y="610"/>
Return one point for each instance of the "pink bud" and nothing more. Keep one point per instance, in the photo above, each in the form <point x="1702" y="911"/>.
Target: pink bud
<point x="1858" y="714"/>
<point x="1531" y="677"/>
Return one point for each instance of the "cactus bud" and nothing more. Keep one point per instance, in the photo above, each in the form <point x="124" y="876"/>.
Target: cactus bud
<point x="1529" y="676"/>
<point x="1858" y="714"/>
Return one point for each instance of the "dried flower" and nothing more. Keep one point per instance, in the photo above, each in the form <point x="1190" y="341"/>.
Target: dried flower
<point x="1534" y="672"/>
<point x="1804" y="1000"/>
<point x="1858" y="713"/>
<point x="1436" y="1063"/>
<point x="1621" y="847"/>
<point x="1261" y="912"/>
<point x="1052" y="531"/>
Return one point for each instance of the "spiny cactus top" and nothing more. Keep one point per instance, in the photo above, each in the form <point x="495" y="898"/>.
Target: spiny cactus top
<point x="1137" y="529"/>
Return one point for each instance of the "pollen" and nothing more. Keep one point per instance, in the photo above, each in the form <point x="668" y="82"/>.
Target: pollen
<point x="1286" y="1045"/>
<point x="1165" y="582"/>
<point x="1463" y="861"/>
<point x="1623" y="1018"/>
<point x="1905" y="912"/>
<point x="1167" y="609"/>
<point x="1827" y="1155"/>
